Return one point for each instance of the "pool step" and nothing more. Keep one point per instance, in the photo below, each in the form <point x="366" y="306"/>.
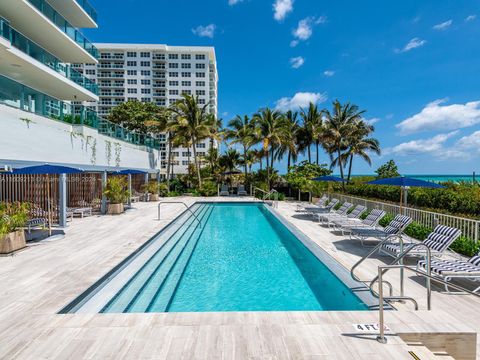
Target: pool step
<point x="122" y="300"/>
<point x="163" y="298"/>
<point x="153" y="285"/>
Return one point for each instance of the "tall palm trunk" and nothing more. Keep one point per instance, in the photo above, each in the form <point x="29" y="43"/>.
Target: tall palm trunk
<point x="268" y="169"/>
<point x="316" y="145"/>
<point x="169" y="159"/>
<point x="261" y="162"/>
<point x="340" y="165"/>
<point x="195" y="159"/>
<point x="350" y="168"/>
<point x="309" y="154"/>
<point x="289" y="160"/>
<point x="244" y="159"/>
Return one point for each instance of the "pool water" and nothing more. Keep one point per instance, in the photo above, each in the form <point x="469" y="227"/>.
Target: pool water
<point x="233" y="257"/>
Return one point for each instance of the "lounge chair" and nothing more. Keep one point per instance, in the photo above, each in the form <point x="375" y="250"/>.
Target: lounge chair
<point x="36" y="223"/>
<point x="224" y="191"/>
<point x="395" y="227"/>
<point x="449" y="269"/>
<point x="319" y="204"/>
<point x="340" y="213"/>
<point x="370" y="222"/>
<point x="241" y="190"/>
<point x="322" y="210"/>
<point x="438" y="241"/>
<point x="353" y="216"/>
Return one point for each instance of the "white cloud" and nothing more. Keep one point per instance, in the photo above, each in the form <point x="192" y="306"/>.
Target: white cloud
<point x="470" y="18"/>
<point x="434" y="146"/>
<point x="281" y="8"/>
<point x="205" y="31"/>
<point x="234" y="2"/>
<point x="470" y="142"/>
<point x="297" y="62"/>
<point x="436" y="116"/>
<point x="329" y="73"/>
<point x="412" y="44"/>
<point x="372" y="121"/>
<point x="294" y="43"/>
<point x="304" y="29"/>
<point x="443" y="26"/>
<point x="300" y="99"/>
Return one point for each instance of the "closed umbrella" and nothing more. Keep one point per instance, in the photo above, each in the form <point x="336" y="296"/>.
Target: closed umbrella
<point x="47" y="169"/>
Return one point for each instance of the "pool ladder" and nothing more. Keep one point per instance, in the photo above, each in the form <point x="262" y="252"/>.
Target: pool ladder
<point x="267" y="195"/>
<point x="179" y="202"/>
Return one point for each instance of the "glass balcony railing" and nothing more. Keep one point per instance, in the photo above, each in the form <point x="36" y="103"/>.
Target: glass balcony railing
<point x="30" y="48"/>
<point x="22" y="97"/>
<point x="47" y="10"/>
<point x="88" y="9"/>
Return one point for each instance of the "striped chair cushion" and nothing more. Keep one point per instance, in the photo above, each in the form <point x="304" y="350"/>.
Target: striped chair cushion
<point x="398" y="224"/>
<point x="373" y="217"/>
<point x="359" y="209"/>
<point x="441" y="267"/>
<point x="332" y="203"/>
<point x="344" y="208"/>
<point x="441" y="237"/>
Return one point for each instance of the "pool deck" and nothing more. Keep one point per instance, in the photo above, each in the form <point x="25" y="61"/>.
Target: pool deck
<point x="37" y="282"/>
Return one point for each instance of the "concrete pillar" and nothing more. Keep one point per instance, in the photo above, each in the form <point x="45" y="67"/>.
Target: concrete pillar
<point x="103" y="208"/>
<point x="62" y="200"/>
<point x="130" y="189"/>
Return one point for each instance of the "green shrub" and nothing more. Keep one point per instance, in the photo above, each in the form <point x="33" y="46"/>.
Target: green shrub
<point x="116" y="190"/>
<point x="466" y="246"/>
<point x="13" y="216"/>
<point x="208" y="188"/>
<point x="173" y="194"/>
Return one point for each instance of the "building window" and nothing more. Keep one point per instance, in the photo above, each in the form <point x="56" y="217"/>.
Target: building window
<point x="145" y="73"/>
<point x="186" y="153"/>
<point x="132" y="81"/>
<point x="145" y="54"/>
<point x="186" y="56"/>
<point x="147" y="100"/>
<point x="172" y="101"/>
<point x="173" y="56"/>
<point x="188" y="92"/>
<point x="173" y="74"/>
<point x="132" y="91"/>
<point x="185" y="162"/>
<point x="131" y="63"/>
<point x="144" y="63"/>
<point x="200" y="92"/>
<point x="145" y="82"/>
<point x="131" y="54"/>
<point x="200" y="75"/>
<point x="201" y="146"/>
<point x="200" y="66"/>
<point x="186" y="74"/>
<point x="200" y="57"/>
<point x="132" y="99"/>
<point x="161" y="102"/>
<point x="200" y="83"/>
<point x="186" y="66"/>
<point x="132" y="72"/>
<point x="146" y="91"/>
<point x="186" y="83"/>
<point x="173" y="83"/>
<point x="173" y="66"/>
<point x="90" y="72"/>
<point x="173" y="92"/>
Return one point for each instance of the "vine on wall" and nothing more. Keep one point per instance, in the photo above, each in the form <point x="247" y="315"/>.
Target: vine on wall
<point x="108" y="151"/>
<point x="118" y="152"/>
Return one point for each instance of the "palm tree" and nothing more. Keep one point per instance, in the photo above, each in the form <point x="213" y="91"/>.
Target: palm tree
<point x="230" y="160"/>
<point x="360" y="144"/>
<point x="312" y="129"/>
<point x="159" y="125"/>
<point x="193" y="124"/>
<point x="241" y="130"/>
<point x="340" y="123"/>
<point x="249" y="159"/>
<point x="269" y="126"/>
<point x="290" y="134"/>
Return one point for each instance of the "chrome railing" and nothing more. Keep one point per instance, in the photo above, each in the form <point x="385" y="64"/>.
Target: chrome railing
<point x="470" y="227"/>
<point x="179" y="202"/>
<point x="268" y="195"/>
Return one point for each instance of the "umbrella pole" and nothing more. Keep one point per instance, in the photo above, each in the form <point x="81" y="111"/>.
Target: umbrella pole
<point x="401" y="199"/>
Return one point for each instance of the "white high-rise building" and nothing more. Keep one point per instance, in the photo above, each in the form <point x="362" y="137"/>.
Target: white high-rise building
<point x="158" y="74"/>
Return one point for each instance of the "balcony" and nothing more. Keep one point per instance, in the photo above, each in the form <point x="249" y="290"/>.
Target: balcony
<point x="114" y="57"/>
<point x="110" y="75"/>
<point x="41" y="23"/>
<point x="80" y="13"/>
<point x="18" y="46"/>
<point x="110" y="66"/>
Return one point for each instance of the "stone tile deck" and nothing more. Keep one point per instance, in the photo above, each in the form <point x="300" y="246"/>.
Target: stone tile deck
<point x="37" y="282"/>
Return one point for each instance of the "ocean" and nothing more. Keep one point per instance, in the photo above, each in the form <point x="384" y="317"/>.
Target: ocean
<point x="440" y="178"/>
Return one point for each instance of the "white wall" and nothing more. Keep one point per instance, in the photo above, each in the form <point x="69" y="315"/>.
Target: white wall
<point x="26" y="136"/>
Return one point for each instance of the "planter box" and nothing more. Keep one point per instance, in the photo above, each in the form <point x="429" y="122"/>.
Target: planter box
<point x="154" y="197"/>
<point x="12" y="242"/>
<point x="115" y="209"/>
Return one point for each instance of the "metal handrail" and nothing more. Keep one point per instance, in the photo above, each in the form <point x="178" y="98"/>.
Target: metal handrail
<point x="179" y="202"/>
<point x="268" y="194"/>
<point x="381" y="271"/>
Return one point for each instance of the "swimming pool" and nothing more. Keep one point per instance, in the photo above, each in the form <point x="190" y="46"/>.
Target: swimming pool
<point x="226" y="257"/>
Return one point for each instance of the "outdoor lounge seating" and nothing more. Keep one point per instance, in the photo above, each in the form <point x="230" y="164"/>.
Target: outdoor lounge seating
<point x="395" y="227"/>
<point x="241" y="190"/>
<point x="449" y="269"/>
<point x="438" y="241"/>
<point x="314" y="210"/>
<point x="341" y="212"/>
<point x="319" y="204"/>
<point x="224" y="191"/>
<point x="354" y="216"/>
<point x="370" y="222"/>
<point x="36" y="223"/>
<point x="81" y="211"/>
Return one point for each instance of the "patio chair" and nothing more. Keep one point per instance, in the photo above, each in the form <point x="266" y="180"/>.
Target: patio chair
<point x="449" y="269"/>
<point x="438" y="241"/>
<point x="82" y="211"/>
<point x="341" y="212"/>
<point x="36" y="223"/>
<point x="326" y="209"/>
<point x="241" y="190"/>
<point x="395" y="227"/>
<point x="353" y="216"/>
<point x="224" y="191"/>
<point x="370" y="222"/>
<point x="319" y="204"/>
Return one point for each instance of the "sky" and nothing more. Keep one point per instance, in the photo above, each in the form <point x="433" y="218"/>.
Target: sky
<point x="414" y="66"/>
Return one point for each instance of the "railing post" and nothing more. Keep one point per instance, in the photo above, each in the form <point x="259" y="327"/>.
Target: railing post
<point x="477" y="230"/>
<point x="381" y="337"/>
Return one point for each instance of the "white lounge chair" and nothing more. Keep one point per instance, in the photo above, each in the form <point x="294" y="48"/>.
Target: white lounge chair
<point x="224" y="191"/>
<point x="322" y="210"/>
<point x="241" y="191"/>
<point x="395" y="227"/>
<point x="449" y="269"/>
<point x="340" y="213"/>
<point x="354" y="215"/>
<point x="319" y="204"/>
<point x="370" y="222"/>
<point x="438" y="241"/>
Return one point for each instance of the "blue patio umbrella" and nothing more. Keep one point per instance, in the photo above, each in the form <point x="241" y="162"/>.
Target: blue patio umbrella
<point x="328" y="178"/>
<point x="131" y="172"/>
<point x="405" y="183"/>
<point x="47" y="169"/>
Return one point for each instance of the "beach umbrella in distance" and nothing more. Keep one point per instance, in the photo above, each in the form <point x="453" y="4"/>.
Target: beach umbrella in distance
<point x="47" y="169"/>
<point x="329" y="179"/>
<point x="405" y="183"/>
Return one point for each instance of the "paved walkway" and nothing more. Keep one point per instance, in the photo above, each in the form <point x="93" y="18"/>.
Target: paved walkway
<point x="37" y="282"/>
